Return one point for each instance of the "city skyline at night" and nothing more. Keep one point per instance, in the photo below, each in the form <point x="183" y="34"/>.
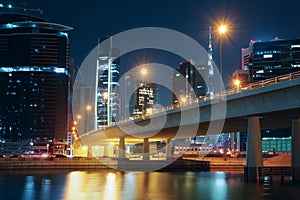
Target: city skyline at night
<point x="149" y="99"/>
<point x="190" y="17"/>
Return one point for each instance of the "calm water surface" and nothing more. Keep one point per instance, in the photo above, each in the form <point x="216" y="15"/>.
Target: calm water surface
<point x="113" y="185"/>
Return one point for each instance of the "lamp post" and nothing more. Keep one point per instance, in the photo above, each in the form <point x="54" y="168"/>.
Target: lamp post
<point x="143" y="73"/>
<point x="79" y="123"/>
<point x="222" y="31"/>
<point x="88" y="109"/>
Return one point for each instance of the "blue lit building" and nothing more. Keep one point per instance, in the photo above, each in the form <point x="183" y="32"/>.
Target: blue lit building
<point x="34" y="83"/>
<point x="267" y="59"/>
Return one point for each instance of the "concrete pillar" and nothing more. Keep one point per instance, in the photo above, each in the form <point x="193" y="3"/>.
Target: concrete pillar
<point x="169" y="148"/>
<point x="254" y="149"/>
<point x="89" y="152"/>
<point x="296" y="150"/>
<point x="146" y="149"/>
<point x="122" y="150"/>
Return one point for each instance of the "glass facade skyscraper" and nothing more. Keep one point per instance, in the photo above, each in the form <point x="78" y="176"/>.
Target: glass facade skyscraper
<point x="271" y="58"/>
<point x="34" y="84"/>
<point x="108" y="74"/>
<point x="194" y="85"/>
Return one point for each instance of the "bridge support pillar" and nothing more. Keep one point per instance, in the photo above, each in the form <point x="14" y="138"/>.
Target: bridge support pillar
<point x="254" y="149"/>
<point x="90" y="152"/>
<point x="146" y="149"/>
<point x="122" y="150"/>
<point x="296" y="150"/>
<point x="169" y="148"/>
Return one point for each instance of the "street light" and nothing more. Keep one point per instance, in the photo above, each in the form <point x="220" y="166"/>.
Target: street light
<point x="183" y="100"/>
<point x="88" y="108"/>
<point x="237" y="83"/>
<point x="143" y="73"/>
<point x="222" y="31"/>
<point x="79" y="123"/>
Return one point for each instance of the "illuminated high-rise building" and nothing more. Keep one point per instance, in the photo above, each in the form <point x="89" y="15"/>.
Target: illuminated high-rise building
<point x="194" y="87"/>
<point x="144" y="98"/>
<point x="267" y="59"/>
<point x="108" y="73"/>
<point x="34" y="85"/>
<point x="210" y="68"/>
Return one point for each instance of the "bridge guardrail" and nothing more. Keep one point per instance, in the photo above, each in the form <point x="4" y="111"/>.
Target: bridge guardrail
<point x="220" y="96"/>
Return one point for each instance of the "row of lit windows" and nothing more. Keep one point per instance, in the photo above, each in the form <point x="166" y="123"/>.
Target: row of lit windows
<point x="267" y="52"/>
<point x="183" y="149"/>
<point x="33" y="69"/>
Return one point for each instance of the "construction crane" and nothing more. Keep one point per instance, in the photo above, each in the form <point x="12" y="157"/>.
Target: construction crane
<point x="24" y="8"/>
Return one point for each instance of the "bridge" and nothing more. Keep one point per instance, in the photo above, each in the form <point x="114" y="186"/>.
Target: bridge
<point x="272" y="103"/>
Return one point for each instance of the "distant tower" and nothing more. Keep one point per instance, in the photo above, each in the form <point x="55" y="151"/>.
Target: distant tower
<point x="210" y="75"/>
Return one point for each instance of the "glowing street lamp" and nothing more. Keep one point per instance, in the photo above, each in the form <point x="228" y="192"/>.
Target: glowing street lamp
<point x="88" y="107"/>
<point x="144" y="72"/>
<point x="79" y="123"/>
<point x="183" y="100"/>
<point x="222" y="29"/>
<point x="237" y="83"/>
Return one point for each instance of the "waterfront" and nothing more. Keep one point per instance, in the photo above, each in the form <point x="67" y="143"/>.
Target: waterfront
<point x="114" y="185"/>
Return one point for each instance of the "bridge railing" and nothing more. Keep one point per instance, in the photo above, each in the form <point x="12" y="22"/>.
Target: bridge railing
<point x="221" y="95"/>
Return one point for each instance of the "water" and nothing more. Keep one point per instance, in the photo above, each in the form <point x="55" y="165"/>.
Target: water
<point x="113" y="185"/>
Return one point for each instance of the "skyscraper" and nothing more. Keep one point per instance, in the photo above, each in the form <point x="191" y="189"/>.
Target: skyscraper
<point x="271" y="58"/>
<point x="144" y="98"/>
<point x="193" y="87"/>
<point x="108" y="73"/>
<point x="34" y="85"/>
<point x="210" y="68"/>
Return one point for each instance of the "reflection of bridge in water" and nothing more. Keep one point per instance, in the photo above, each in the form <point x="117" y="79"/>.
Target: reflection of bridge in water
<point x="272" y="103"/>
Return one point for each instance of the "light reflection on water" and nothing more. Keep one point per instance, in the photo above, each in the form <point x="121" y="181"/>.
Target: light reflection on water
<point x="113" y="185"/>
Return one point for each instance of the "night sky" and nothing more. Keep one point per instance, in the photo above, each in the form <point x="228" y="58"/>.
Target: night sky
<point x="255" y="19"/>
